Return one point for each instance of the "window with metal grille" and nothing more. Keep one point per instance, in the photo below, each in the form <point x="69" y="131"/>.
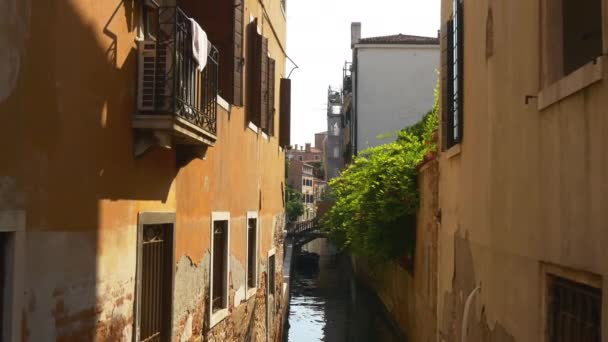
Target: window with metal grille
<point x="155" y="282"/>
<point x="454" y="80"/>
<point x="219" y="295"/>
<point x="3" y="279"/>
<point x="574" y="311"/>
<point x="271" y="273"/>
<point x="252" y="252"/>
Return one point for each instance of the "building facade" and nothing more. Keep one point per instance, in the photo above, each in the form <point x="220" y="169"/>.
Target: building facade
<point x="393" y="80"/>
<point x="334" y="161"/>
<point x="522" y="171"/>
<point x="139" y="197"/>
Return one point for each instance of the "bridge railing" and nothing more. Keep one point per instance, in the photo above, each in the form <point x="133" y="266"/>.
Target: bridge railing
<point x="296" y="228"/>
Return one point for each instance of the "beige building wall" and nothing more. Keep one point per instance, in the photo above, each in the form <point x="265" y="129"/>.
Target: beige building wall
<point x="525" y="193"/>
<point x="66" y="99"/>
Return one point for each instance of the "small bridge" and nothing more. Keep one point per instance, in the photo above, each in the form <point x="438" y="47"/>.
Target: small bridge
<point x="305" y="231"/>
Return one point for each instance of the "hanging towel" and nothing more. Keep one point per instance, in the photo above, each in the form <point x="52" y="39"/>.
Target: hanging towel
<point x="200" y="45"/>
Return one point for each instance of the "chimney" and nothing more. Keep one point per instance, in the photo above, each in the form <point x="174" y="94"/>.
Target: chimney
<point x="308" y="147"/>
<point x="355" y="33"/>
<point x="296" y="147"/>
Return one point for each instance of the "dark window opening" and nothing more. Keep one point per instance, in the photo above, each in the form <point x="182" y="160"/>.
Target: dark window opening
<point x="150" y="18"/>
<point x="220" y="265"/>
<point x="156" y="282"/>
<point x="574" y="311"/>
<point x="3" y="278"/>
<point x="252" y="252"/>
<point x="222" y="21"/>
<point x="271" y="274"/>
<point x="582" y="32"/>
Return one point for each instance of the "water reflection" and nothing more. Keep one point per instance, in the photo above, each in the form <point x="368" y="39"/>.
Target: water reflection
<point x="327" y="304"/>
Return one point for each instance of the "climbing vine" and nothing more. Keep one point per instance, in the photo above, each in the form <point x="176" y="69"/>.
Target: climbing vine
<point x="376" y="197"/>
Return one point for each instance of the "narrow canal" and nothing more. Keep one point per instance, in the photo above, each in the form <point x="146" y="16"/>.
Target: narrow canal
<point x="328" y="304"/>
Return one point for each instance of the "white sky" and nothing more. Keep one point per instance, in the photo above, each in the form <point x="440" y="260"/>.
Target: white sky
<point x="318" y="40"/>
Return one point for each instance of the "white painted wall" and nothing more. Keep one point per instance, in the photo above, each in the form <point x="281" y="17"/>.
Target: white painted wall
<point x="395" y="88"/>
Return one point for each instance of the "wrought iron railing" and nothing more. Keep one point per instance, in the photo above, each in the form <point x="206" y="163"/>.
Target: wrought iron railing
<point x="187" y="92"/>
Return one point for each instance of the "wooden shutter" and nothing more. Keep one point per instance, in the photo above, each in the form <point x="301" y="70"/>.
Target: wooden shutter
<point x="264" y="85"/>
<point x="271" y="84"/>
<point x="285" y="112"/>
<point x="239" y="9"/>
<point x="254" y="54"/>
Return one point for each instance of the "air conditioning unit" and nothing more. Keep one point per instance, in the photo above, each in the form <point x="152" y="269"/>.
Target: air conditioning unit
<point x="153" y="92"/>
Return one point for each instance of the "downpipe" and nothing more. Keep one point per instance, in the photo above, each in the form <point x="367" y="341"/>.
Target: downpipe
<point x="465" y="315"/>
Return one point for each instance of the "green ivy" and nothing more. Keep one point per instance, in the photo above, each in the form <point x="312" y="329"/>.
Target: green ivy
<point x="376" y="197"/>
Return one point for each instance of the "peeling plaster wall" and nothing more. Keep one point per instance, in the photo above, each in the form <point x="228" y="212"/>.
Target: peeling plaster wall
<point x="191" y="287"/>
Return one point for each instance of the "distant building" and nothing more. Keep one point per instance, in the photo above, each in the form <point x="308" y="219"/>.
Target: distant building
<point x="333" y="153"/>
<point x="392" y="80"/>
<point x="301" y="178"/>
<point x="305" y="153"/>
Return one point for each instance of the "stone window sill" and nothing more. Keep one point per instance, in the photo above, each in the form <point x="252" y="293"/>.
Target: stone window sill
<point x="453" y="151"/>
<point x="253" y="127"/>
<point x="251" y="292"/>
<point x="217" y="317"/>
<point x="580" y="79"/>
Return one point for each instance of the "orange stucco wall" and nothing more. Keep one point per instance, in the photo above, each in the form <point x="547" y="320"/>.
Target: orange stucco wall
<point x="67" y="161"/>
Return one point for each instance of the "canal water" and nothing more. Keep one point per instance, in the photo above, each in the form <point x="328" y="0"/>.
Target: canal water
<point x="328" y="304"/>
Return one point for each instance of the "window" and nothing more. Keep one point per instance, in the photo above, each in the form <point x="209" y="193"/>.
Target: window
<point x="252" y="252"/>
<point x="271" y="274"/>
<point x="155" y="260"/>
<point x="150" y="19"/>
<point x="576" y="37"/>
<point x="268" y="88"/>
<point x="260" y="73"/>
<point x="574" y="311"/>
<point x="223" y="22"/>
<point x="453" y="78"/>
<point x="4" y="281"/>
<point x="300" y="158"/>
<point x="317" y="157"/>
<point x="220" y="242"/>
<point x="336" y="152"/>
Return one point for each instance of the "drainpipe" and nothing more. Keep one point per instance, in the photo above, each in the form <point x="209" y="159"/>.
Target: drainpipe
<point x="465" y="314"/>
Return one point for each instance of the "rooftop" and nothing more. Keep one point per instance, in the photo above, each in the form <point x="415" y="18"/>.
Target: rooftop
<point x="400" y="39"/>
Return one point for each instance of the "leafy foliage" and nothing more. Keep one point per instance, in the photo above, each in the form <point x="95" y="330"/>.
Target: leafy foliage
<point x="293" y="204"/>
<point x="377" y="195"/>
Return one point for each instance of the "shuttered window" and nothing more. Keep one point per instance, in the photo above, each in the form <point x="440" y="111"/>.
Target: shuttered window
<point x="254" y="74"/>
<point x="285" y="112"/>
<point x="453" y="78"/>
<point x="264" y="85"/>
<point x="271" y="95"/>
<point x="239" y="10"/>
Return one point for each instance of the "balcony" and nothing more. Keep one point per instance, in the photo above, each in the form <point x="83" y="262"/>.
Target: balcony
<point x="177" y="103"/>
